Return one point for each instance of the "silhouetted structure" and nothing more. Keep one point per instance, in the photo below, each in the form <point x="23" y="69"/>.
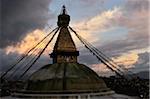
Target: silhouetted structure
<point x="65" y="77"/>
<point x="68" y="79"/>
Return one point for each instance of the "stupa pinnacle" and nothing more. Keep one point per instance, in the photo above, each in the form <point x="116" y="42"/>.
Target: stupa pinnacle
<point x="64" y="49"/>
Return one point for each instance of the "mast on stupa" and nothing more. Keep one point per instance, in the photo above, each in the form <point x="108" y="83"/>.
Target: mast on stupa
<point x="64" y="49"/>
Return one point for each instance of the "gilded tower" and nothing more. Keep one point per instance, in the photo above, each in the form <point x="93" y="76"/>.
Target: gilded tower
<point x="64" y="49"/>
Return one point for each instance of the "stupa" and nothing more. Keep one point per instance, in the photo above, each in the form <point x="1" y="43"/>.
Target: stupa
<point x="66" y="78"/>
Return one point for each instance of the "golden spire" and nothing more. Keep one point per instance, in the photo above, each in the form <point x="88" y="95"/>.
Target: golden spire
<point x="64" y="49"/>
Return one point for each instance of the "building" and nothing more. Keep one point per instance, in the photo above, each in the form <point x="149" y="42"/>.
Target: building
<point x="65" y="78"/>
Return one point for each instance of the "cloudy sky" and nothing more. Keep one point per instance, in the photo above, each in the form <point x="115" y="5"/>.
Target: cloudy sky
<point x="119" y="28"/>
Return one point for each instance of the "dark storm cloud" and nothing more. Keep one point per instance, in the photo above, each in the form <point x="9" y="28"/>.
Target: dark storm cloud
<point x="132" y="5"/>
<point x="119" y="47"/>
<point x="20" y="17"/>
<point x="143" y="62"/>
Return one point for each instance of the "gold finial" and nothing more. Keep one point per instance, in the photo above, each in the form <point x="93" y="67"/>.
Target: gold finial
<point x="64" y="9"/>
